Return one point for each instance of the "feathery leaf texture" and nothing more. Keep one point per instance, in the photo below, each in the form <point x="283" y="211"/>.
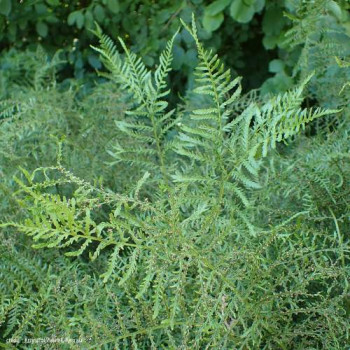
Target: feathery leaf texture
<point x="224" y="241"/>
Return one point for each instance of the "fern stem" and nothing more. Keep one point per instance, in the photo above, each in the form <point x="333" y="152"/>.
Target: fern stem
<point x="159" y="150"/>
<point x="340" y="238"/>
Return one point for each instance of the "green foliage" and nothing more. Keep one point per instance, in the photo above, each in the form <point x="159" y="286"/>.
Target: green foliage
<point x="222" y="223"/>
<point x="67" y="25"/>
<point x="232" y="28"/>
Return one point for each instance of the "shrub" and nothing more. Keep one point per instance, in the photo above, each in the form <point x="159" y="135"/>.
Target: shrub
<point x="219" y="224"/>
<point x="249" y="35"/>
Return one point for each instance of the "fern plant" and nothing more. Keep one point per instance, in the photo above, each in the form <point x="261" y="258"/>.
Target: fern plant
<point x="149" y="121"/>
<point x="203" y="250"/>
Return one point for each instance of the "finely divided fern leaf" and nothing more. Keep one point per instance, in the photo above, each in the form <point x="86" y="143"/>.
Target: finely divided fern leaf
<point x="148" y="121"/>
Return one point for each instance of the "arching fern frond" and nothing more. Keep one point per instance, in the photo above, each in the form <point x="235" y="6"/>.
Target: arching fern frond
<point x="70" y="223"/>
<point x="235" y="148"/>
<point x="148" y="122"/>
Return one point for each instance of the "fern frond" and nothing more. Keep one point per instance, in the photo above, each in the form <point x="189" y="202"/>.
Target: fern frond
<point x="149" y="116"/>
<point x="215" y="81"/>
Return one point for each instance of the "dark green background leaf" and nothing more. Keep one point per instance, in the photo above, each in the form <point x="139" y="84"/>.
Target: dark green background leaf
<point x="5" y="7"/>
<point x="211" y="23"/>
<point x="42" y="29"/>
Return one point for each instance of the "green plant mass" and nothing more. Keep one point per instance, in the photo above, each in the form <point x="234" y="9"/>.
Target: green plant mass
<point x="163" y="201"/>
